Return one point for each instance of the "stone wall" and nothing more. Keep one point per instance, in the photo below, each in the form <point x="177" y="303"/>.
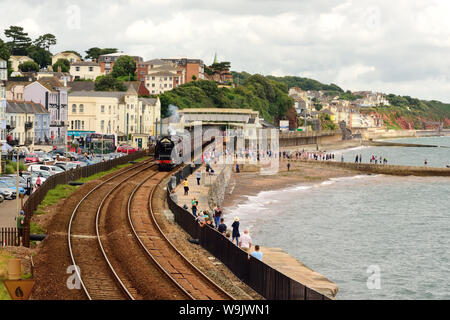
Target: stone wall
<point x="216" y="192"/>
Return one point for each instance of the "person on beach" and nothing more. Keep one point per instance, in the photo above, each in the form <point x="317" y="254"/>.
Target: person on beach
<point x="186" y="187"/>
<point x="246" y="241"/>
<point x="237" y="168"/>
<point x="257" y="254"/>
<point x="222" y="227"/>
<point x="199" y="176"/>
<point x="289" y="166"/>
<point x="235" y="234"/>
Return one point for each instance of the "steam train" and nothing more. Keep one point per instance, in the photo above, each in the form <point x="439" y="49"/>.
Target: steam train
<point x="169" y="152"/>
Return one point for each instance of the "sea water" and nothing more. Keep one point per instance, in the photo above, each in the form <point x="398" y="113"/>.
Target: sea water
<point x="375" y="236"/>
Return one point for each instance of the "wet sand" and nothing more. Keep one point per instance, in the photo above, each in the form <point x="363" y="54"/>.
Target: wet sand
<point x="246" y="184"/>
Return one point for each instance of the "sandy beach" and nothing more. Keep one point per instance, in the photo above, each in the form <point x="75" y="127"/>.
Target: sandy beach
<point x="246" y="184"/>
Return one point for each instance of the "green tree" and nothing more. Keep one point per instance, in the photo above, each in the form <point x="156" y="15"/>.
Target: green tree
<point x="45" y="41"/>
<point x="94" y="53"/>
<point x="124" y="66"/>
<point x="40" y="56"/>
<point x="29" y="66"/>
<point x="108" y="83"/>
<point x="63" y="63"/>
<point x="20" y="42"/>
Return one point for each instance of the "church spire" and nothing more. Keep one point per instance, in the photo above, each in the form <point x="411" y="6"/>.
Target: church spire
<point x="215" y="58"/>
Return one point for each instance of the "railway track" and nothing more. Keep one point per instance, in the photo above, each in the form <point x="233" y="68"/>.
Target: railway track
<point x="113" y="259"/>
<point x="93" y="270"/>
<point x="171" y="261"/>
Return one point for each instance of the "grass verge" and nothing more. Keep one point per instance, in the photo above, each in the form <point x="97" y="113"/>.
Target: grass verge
<point x="63" y="191"/>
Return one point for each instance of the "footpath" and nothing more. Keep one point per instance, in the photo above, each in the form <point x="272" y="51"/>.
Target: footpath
<point x="274" y="257"/>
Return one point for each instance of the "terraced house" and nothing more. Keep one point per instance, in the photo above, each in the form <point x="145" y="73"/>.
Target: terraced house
<point x="3" y="78"/>
<point x="123" y="114"/>
<point x="21" y="120"/>
<point x="52" y="94"/>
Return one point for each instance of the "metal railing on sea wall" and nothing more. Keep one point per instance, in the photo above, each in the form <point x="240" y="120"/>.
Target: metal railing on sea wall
<point x="36" y="197"/>
<point x="268" y="282"/>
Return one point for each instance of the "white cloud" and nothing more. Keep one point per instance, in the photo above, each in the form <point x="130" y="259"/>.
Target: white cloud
<point x="393" y="46"/>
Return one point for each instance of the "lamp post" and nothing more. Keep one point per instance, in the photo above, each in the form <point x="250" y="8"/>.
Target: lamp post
<point x="17" y="187"/>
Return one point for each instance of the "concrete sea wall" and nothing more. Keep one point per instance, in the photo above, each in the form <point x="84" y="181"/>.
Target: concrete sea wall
<point x="387" y="169"/>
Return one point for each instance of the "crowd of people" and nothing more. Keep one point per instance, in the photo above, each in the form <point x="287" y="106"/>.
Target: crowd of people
<point x="214" y="219"/>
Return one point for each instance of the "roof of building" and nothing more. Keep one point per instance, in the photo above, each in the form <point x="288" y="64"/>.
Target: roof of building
<point x="219" y="110"/>
<point x="149" y="101"/>
<point x="163" y="74"/>
<point x="102" y="94"/>
<point x="10" y="84"/>
<point x="135" y="85"/>
<point x="85" y="63"/>
<point x="327" y="112"/>
<point x="156" y="62"/>
<point x="25" y="107"/>
<point x="81" y="85"/>
<point x="131" y="90"/>
<point x="20" y="57"/>
<point x="50" y="83"/>
<point x="67" y="54"/>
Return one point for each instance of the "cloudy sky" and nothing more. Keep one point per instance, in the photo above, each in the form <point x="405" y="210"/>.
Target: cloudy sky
<point x="400" y="46"/>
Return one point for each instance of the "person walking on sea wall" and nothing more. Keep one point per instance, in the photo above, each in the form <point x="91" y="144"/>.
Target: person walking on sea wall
<point x="199" y="176"/>
<point x="235" y="234"/>
<point x="357" y="159"/>
<point x="246" y="241"/>
<point x="186" y="187"/>
<point x="194" y="205"/>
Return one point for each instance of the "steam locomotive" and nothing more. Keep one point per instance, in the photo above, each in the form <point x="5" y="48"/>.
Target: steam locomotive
<point x="169" y="152"/>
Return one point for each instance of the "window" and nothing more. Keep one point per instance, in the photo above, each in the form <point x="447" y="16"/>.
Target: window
<point x="165" y="78"/>
<point x="82" y="125"/>
<point x="170" y="78"/>
<point x="74" y="108"/>
<point x="81" y="108"/>
<point x="71" y="127"/>
<point x="153" y="78"/>
<point x="109" y="109"/>
<point x="165" y="85"/>
<point x="102" y="125"/>
<point x="77" y="68"/>
<point x="91" y="69"/>
<point x="103" y="109"/>
<point x="170" y="85"/>
<point x="153" y="85"/>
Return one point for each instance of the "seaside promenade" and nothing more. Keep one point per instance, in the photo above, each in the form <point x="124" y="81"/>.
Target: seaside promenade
<point x="274" y="257"/>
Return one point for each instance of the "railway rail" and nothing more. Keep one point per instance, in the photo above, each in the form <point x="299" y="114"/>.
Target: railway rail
<point x="109" y="236"/>
<point x="169" y="259"/>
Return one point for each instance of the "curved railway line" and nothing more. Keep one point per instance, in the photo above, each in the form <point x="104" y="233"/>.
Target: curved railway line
<point x="120" y="251"/>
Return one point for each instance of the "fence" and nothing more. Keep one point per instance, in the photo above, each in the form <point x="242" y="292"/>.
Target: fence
<point x="9" y="237"/>
<point x="63" y="178"/>
<point x="265" y="280"/>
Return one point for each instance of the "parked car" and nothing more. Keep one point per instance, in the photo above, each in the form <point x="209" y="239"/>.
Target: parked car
<point x="40" y="167"/>
<point x="7" y="193"/>
<point x="32" y="158"/>
<point x="128" y="149"/>
<point x="44" y="157"/>
<point x="10" y="185"/>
